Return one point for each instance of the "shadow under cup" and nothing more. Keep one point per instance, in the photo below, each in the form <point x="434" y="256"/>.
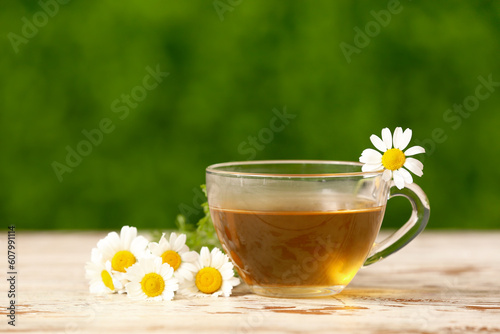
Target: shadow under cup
<point x="298" y="228"/>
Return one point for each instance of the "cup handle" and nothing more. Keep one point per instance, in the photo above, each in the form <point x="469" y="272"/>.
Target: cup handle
<point x="412" y="228"/>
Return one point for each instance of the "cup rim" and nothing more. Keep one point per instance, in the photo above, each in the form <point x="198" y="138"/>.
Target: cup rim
<point x="213" y="169"/>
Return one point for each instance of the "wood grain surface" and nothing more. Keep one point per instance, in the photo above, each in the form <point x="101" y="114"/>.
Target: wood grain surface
<point x="443" y="282"/>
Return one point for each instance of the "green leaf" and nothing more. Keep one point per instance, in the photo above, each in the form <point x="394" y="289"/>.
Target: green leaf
<point x="204" y="234"/>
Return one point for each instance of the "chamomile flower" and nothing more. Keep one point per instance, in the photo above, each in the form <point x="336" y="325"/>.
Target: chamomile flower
<point x="393" y="158"/>
<point x="150" y="279"/>
<point x="99" y="273"/>
<point x="122" y="250"/>
<point x="175" y="252"/>
<point x="214" y="275"/>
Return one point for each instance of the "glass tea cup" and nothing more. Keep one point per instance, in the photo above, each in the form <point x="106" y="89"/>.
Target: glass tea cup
<point x="300" y="228"/>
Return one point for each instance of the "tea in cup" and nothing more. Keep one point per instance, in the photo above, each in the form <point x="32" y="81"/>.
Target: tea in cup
<point x="299" y="228"/>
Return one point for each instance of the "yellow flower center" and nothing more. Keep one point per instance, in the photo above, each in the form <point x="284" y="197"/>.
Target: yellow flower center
<point x="121" y="260"/>
<point x="172" y="258"/>
<point x="152" y="284"/>
<point x="393" y="159"/>
<point x="107" y="280"/>
<point x="208" y="280"/>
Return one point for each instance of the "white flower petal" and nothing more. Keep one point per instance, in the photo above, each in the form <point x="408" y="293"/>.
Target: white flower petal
<point x="398" y="134"/>
<point x="92" y="266"/>
<point x="187" y="288"/>
<point x="138" y="246"/>
<point x="372" y="160"/>
<point x="158" y="264"/>
<point x="167" y="295"/>
<point x="134" y="272"/>
<point x="405" y="139"/>
<point x="166" y="271"/>
<point x="414" y="150"/>
<point x="180" y="243"/>
<point x="96" y="256"/>
<point x="164" y="244"/>
<point x="172" y="284"/>
<point x="414" y="166"/>
<point x="217" y="258"/>
<point x="378" y="143"/>
<point x="370" y="152"/>
<point x="234" y="281"/>
<point x="93" y="270"/>
<point x="172" y="239"/>
<point x="189" y="256"/>
<point x="107" y="266"/>
<point x="371" y="168"/>
<point x="228" y="266"/>
<point x="183" y="249"/>
<point x="183" y="274"/>
<point x="370" y="156"/>
<point x="406" y="176"/>
<point x="227" y="274"/>
<point x="127" y="234"/>
<point x="367" y="160"/>
<point x="387" y="138"/>
<point x="118" y="285"/>
<point x="98" y="288"/>
<point x="398" y="179"/>
<point x="190" y="291"/>
<point x="217" y="293"/>
<point x="122" y="277"/>
<point x="190" y="266"/>
<point x="387" y="175"/>
<point x="154" y="248"/>
<point x="228" y="285"/>
<point x="133" y="286"/>
<point x="205" y="258"/>
<point x="109" y="245"/>
<point x="145" y="264"/>
<point x="134" y="291"/>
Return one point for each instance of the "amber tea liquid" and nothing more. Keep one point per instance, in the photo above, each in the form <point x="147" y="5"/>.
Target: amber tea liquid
<point x="298" y="248"/>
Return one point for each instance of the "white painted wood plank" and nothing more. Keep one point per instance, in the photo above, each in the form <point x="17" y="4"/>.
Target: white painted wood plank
<point x="443" y="282"/>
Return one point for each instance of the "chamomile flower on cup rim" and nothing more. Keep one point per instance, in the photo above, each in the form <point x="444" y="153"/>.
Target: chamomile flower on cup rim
<point x="123" y="250"/>
<point x="213" y="277"/>
<point x="395" y="163"/>
<point x="151" y="280"/>
<point x="175" y="252"/>
<point x="101" y="279"/>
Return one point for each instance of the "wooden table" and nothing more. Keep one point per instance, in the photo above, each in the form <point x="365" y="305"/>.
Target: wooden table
<point x="443" y="282"/>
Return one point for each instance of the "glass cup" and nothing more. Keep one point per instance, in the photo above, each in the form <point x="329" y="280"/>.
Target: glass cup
<point x="301" y="228"/>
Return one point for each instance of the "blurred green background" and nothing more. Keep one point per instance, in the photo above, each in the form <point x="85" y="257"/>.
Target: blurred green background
<point x="68" y="66"/>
